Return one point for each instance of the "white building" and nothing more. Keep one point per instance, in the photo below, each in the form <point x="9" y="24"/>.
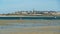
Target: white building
<point x="57" y="13"/>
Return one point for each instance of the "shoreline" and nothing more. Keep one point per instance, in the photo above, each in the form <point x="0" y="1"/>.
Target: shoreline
<point x="29" y="30"/>
<point x="2" y="22"/>
<point x="31" y="20"/>
<point x="33" y="30"/>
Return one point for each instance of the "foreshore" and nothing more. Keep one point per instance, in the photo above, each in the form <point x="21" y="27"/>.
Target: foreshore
<point x="29" y="30"/>
<point x="2" y="22"/>
<point x="33" y="30"/>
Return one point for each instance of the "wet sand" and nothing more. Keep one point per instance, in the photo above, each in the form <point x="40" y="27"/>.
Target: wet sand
<point x="32" y="33"/>
<point x="33" y="30"/>
<point x="28" y="21"/>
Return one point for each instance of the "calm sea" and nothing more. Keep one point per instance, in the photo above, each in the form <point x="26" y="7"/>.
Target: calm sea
<point x="18" y="18"/>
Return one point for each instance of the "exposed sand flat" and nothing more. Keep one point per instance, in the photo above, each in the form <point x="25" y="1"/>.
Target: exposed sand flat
<point x="46" y="28"/>
<point x="29" y="21"/>
<point x="33" y="30"/>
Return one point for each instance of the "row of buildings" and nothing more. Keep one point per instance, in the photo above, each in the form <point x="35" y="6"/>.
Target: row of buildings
<point x="34" y="13"/>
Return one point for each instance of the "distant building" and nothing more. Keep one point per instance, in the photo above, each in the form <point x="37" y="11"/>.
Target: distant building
<point x="52" y="12"/>
<point x="57" y="13"/>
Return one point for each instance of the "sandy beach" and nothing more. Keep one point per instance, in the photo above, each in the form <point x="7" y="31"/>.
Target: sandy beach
<point x="30" y="30"/>
<point x="23" y="21"/>
<point x="33" y="30"/>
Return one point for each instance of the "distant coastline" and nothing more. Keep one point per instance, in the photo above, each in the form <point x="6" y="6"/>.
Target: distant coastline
<point x="32" y="13"/>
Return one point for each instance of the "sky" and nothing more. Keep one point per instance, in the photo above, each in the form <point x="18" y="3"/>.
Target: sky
<point x="7" y="6"/>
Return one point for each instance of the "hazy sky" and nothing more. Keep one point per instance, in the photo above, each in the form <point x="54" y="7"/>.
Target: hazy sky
<point x="7" y="6"/>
